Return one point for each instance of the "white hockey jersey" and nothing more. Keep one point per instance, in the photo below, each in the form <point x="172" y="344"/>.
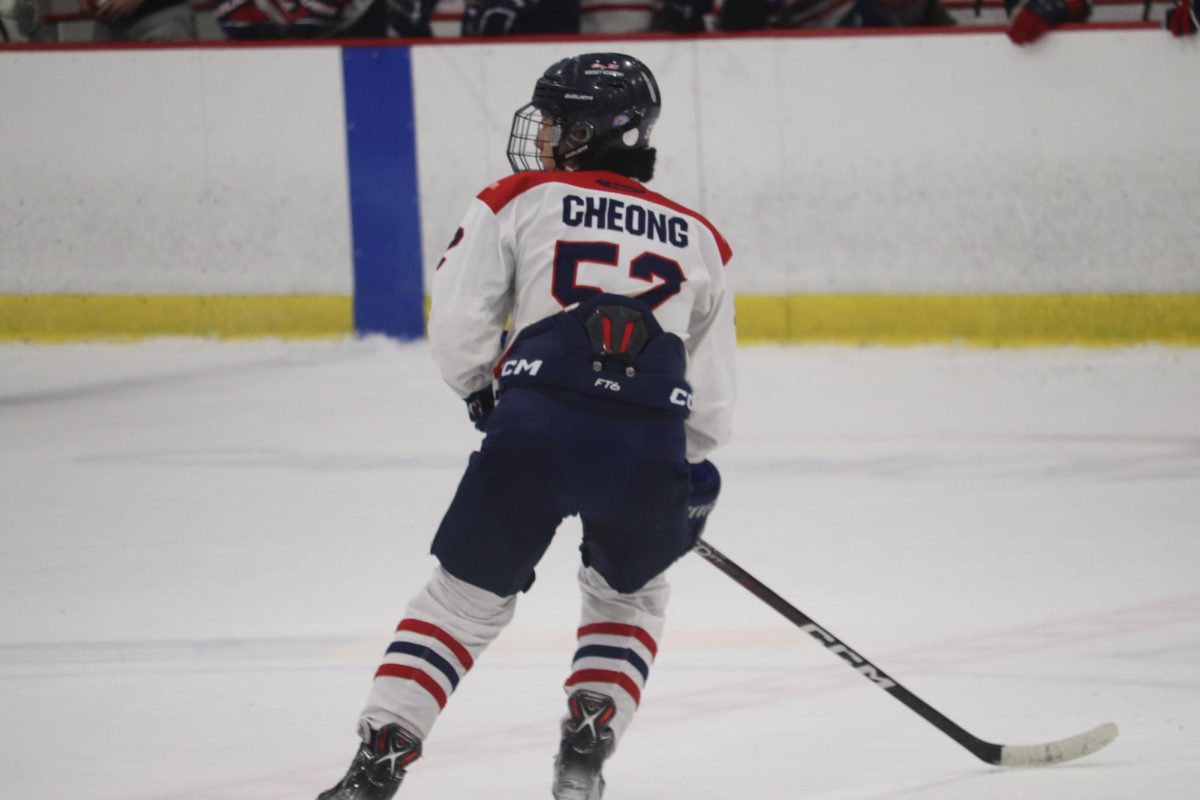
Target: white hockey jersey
<point x="536" y="243"/>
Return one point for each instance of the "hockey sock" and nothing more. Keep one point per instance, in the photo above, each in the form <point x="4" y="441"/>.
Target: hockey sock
<point x="446" y="626"/>
<point x="617" y="642"/>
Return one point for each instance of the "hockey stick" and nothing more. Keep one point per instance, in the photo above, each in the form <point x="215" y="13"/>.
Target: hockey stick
<point x="1034" y="755"/>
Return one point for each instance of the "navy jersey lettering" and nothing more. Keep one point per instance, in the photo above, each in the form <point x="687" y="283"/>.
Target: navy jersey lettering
<point x="678" y="231"/>
<point x="572" y="211"/>
<point x="635" y="220"/>
<point x="657" y="227"/>
<point x="593" y="217"/>
<point x="611" y="214"/>
<point x="615" y="219"/>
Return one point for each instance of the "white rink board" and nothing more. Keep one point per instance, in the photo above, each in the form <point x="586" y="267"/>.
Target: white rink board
<point x="174" y="171"/>
<point x="892" y="164"/>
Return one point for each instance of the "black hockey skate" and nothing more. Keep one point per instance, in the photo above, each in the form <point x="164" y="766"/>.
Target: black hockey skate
<point x="586" y="742"/>
<point x="378" y="766"/>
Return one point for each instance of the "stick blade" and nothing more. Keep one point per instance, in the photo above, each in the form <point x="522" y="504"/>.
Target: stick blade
<point x="1069" y="749"/>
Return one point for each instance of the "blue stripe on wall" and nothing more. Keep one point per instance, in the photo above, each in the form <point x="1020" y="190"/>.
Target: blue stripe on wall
<point x="385" y="218"/>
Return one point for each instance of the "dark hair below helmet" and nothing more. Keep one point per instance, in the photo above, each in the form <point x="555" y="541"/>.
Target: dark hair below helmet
<point x="594" y="111"/>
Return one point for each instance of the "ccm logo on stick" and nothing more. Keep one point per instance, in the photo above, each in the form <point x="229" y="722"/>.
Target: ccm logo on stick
<point x="858" y="662"/>
<point x="517" y="366"/>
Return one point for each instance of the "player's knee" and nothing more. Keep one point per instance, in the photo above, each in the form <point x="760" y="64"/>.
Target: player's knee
<point x="454" y="595"/>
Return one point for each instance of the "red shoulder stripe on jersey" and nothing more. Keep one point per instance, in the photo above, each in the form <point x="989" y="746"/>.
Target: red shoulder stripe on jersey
<point x="413" y="674"/>
<point x="426" y="629"/>
<point x="617" y="629"/>
<point x="503" y="191"/>
<point x="722" y="246"/>
<point x="607" y="676"/>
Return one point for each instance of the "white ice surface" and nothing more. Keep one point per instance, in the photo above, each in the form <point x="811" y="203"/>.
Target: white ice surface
<point x="205" y="546"/>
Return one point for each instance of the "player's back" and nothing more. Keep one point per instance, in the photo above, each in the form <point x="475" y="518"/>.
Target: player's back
<point x="571" y="236"/>
<point x="536" y="243"/>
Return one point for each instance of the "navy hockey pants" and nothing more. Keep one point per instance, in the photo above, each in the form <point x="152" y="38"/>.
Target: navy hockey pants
<point x="549" y="454"/>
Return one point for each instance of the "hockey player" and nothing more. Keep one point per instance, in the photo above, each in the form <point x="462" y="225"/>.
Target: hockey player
<point x="616" y="385"/>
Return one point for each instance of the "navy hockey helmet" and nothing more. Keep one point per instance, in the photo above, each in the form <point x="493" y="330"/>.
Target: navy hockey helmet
<point x="582" y="108"/>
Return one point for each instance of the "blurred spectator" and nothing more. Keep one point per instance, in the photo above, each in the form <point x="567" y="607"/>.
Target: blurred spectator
<point x="20" y="20"/>
<point x="681" y="16"/>
<point x="409" y="19"/>
<point x="604" y="16"/>
<point x="518" y="17"/>
<point x="751" y="15"/>
<point x="1182" y="19"/>
<point x="897" y="14"/>
<point x="744" y="15"/>
<point x="1032" y="18"/>
<point x="302" y="19"/>
<point x="142" y="20"/>
<point x="639" y="16"/>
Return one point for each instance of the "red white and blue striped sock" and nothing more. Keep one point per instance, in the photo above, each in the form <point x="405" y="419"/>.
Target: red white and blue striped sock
<point x="617" y="642"/>
<point x="445" y="629"/>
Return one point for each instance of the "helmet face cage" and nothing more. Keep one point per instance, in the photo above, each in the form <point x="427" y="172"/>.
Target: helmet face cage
<point x="583" y="107"/>
<point x="533" y="140"/>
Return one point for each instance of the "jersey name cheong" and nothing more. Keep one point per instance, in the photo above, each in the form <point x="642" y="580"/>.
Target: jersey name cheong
<point x="611" y="214"/>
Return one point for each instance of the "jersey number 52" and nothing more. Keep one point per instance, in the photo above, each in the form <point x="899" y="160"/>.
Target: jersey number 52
<point x="646" y="267"/>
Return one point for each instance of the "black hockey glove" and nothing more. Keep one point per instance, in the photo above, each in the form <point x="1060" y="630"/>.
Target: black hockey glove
<point x="479" y="407"/>
<point x="495" y="17"/>
<point x="681" y="16"/>
<point x="705" y="485"/>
